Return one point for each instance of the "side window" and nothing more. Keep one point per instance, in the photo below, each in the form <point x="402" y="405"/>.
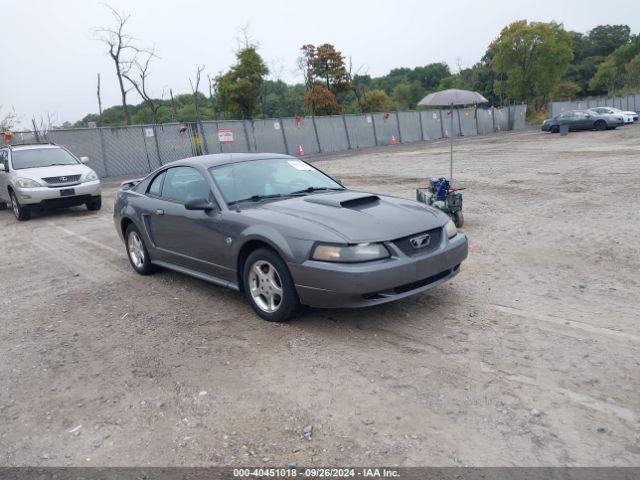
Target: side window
<point x="184" y="183"/>
<point x="155" y="188"/>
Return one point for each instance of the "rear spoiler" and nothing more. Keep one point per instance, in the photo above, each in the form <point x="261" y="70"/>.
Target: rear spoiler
<point x="129" y="184"/>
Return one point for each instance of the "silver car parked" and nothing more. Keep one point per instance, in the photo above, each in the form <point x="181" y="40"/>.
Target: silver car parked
<point x="285" y="233"/>
<point x="43" y="176"/>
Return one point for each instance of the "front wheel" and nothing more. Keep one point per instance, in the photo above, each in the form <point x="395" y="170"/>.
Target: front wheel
<point x="94" y="204"/>
<point x="600" y="125"/>
<point x="269" y="287"/>
<point x="21" y="212"/>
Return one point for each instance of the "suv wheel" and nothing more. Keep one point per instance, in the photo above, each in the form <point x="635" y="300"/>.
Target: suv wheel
<point x="21" y="212"/>
<point x="94" y="204"/>
<point x="269" y="287"/>
<point x="137" y="251"/>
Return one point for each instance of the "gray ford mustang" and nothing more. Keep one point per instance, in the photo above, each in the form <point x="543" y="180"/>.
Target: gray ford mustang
<point x="285" y="233"/>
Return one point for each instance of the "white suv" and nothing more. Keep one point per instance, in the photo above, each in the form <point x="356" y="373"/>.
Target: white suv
<point x="45" y="176"/>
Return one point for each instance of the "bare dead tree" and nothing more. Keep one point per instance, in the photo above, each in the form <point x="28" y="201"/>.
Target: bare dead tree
<point x="7" y="120"/>
<point x="194" y="89"/>
<point x="139" y="81"/>
<point x="99" y="101"/>
<point x="174" y="109"/>
<point x="121" y="49"/>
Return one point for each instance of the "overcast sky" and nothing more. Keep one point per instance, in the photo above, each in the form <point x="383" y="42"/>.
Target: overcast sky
<point x="50" y="57"/>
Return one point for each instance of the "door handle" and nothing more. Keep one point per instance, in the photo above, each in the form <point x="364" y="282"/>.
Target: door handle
<point x="159" y="212"/>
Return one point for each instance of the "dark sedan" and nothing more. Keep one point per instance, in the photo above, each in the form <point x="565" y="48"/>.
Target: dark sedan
<point x="581" y="120"/>
<point x="285" y="233"/>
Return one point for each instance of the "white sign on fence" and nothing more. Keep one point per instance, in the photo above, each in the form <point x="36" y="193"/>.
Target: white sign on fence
<point x="225" y="136"/>
<point x="276" y="125"/>
<point x="148" y="132"/>
<point x="92" y="125"/>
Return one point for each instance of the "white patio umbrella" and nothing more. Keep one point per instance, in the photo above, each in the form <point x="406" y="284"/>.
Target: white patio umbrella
<point x="451" y="98"/>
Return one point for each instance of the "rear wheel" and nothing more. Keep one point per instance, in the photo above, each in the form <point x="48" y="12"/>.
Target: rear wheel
<point x="137" y="251"/>
<point x="94" y="204"/>
<point x="21" y="212"/>
<point x="458" y="219"/>
<point x="600" y="125"/>
<point x="555" y="129"/>
<point x="269" y="287"/>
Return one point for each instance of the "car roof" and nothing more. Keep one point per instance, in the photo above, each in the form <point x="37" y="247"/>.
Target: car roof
<point x="32" y="146"/>
<point x="216" y="159"/>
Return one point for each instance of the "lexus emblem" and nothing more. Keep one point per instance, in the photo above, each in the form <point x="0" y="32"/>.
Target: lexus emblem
<point x="63" y="179"/>
<point x="420" y="241"/>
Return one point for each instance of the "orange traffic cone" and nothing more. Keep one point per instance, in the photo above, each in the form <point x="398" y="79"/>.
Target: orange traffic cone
<point x="446" y="134"/>
<point x="300" y="151"/>
<point x="393" y="140"/>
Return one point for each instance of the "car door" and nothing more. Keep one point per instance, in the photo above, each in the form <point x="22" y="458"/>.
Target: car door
<point x="583" y="121"/>
<point x="194" y="239"/>
<point x="4" y="175"/>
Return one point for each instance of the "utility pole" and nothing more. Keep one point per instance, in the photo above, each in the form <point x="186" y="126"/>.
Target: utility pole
<point x="99" y="100"/>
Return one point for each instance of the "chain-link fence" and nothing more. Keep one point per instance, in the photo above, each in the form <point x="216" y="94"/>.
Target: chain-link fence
<point x="134" y="150"/>
<point x="629" y="102"/>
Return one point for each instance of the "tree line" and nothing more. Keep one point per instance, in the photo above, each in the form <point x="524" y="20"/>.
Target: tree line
<point x="532" y="62"/>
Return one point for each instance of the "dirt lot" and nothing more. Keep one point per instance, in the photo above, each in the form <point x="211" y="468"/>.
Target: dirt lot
<point x="531" y="356"/>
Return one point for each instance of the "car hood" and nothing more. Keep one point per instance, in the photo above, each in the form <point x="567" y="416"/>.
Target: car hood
<point x="357" y="216"/>
<point x="54" y="171"/>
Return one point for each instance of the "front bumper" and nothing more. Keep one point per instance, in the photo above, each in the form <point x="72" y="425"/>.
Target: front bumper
<point x="334" y="285"/>
<point x="51" y="196"/>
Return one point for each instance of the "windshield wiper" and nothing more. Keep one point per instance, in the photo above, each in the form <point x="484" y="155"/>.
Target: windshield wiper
<point x="255" y="198"/>
<point x="314" y="189"/>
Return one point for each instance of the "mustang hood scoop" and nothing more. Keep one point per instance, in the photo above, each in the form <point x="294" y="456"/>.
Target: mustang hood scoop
<point x="344" y="199"/>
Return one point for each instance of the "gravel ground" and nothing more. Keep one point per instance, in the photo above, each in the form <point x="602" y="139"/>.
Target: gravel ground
<point x="530" y="356"/>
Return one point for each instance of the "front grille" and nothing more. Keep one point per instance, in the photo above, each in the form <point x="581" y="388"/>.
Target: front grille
<point x="407" y="287"/>
<point x="63" y="179"/>
<point x="404" y="244"/>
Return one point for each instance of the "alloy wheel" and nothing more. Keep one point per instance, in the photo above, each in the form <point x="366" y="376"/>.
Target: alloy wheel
<point x="136" y="249"/>
<point x="265" y="286"/>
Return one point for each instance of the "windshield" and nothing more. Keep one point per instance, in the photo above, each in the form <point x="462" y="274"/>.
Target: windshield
<point x="41" y="157"/>
<point x="278" y="177"/>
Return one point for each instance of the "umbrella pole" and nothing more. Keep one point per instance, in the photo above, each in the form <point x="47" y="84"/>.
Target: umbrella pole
<point x="451" y="150"/>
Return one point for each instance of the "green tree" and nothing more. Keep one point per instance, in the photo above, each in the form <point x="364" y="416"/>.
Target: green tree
<point x="376" y="101"/>
<point x="239" y="89"/>
<point x="534" y="56"/>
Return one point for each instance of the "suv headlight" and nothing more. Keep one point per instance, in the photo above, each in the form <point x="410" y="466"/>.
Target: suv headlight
<point x="27" y="183"/>
<point x="91" y="176"/>
<point x="363" y="252"/>
<point x="451" y="229"/>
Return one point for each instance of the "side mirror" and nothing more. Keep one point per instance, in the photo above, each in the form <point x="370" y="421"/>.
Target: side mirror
<point x="588" y="116"/>
<point x="339" y="180"/>
<point x="84" y="159"/>
<point x="199" y="203"/>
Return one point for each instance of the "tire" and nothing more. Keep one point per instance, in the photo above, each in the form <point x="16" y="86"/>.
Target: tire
<point x="458" y="219"/>
<point x="600" y="125"/>
<point x="137" y="252"/>
<point x="94" y="204"/>
<point x="21" y="212"/>
<point x="3" y="205"/>
<point x="555" y="129"/>
<point x="272" y="296"/>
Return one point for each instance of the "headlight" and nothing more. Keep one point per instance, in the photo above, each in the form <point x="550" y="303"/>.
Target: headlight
<point x="91" y="176"/>
<point x="363" y="252"/>
<point x="27" y="183"/>
<point x="451" y="229"/>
